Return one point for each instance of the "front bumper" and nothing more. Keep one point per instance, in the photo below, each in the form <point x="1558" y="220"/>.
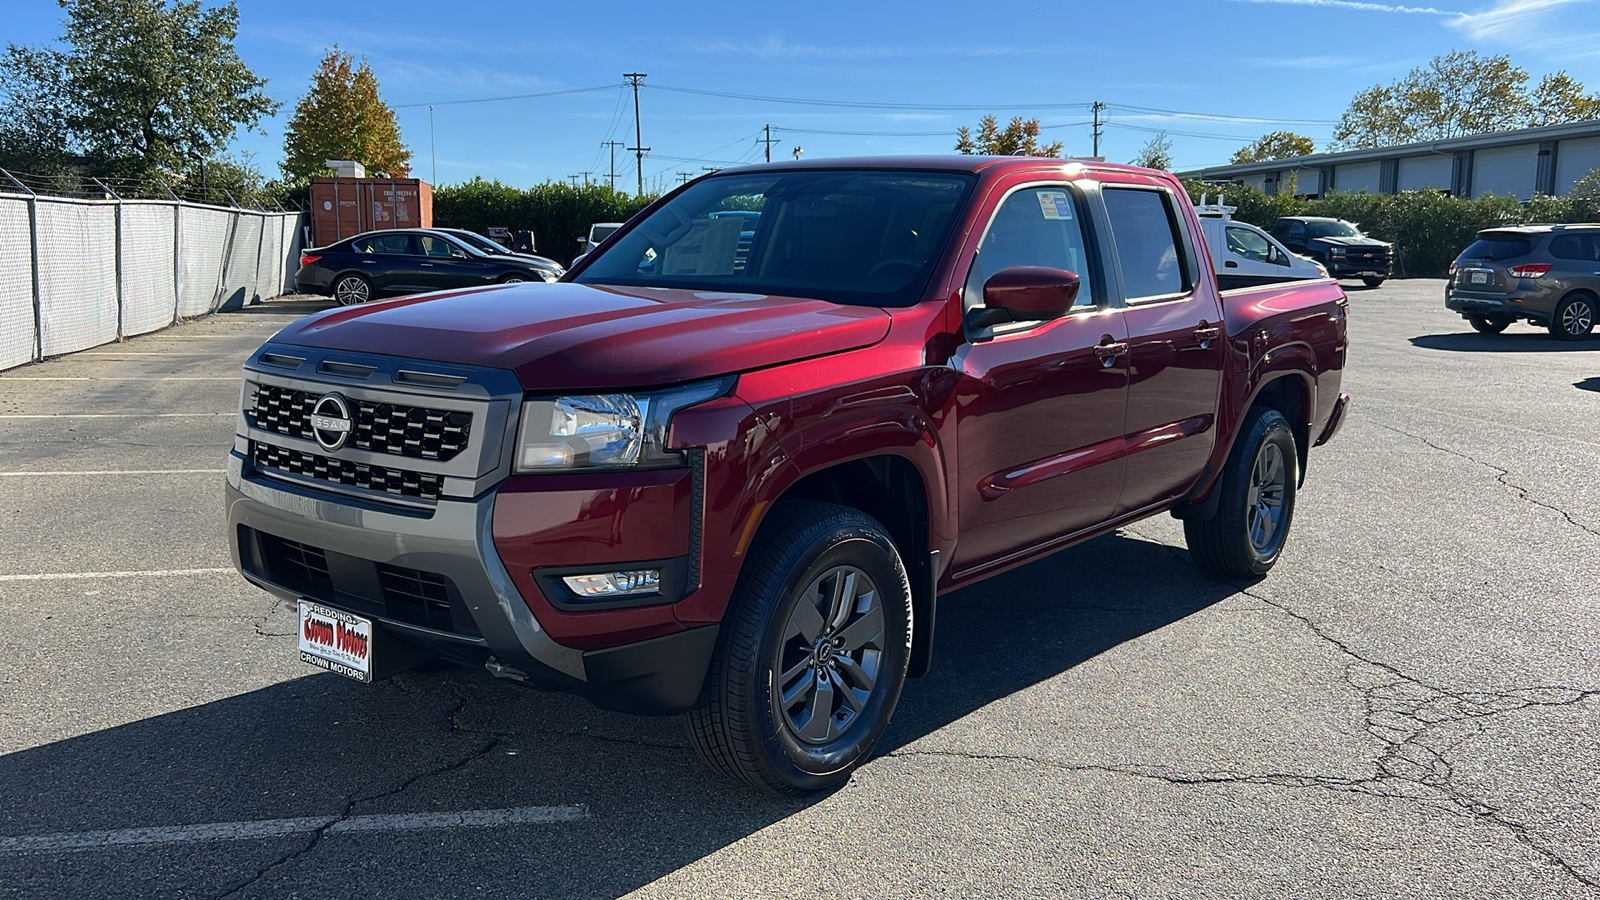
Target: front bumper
<point x="1356" y="268"/>
<point x="477" y="616"/>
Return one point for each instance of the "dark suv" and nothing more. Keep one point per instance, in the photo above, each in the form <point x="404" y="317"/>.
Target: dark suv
<point x="1339" y="245"/>
<point x="1547" y="274"/>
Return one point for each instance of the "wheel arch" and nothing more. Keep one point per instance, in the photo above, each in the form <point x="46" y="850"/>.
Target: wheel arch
<point x="1291" y="392"/>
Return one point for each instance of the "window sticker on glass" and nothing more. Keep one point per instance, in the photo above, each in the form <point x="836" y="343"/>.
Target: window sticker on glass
<point x="1055" y="205"/>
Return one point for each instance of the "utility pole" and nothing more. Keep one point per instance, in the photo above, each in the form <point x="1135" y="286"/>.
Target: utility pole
<point x="683" y="177"/>
<point x="638" y="139"/>
<point x="586" y="177"/>
<point x="433" y="148"/>
<point x="614" y="145"/>
<point x="798" y="151"/>
<point x="769" y="140"/>
<point x="1097" y="106"/>
<point x="711" y="168"/>
<point x="573" y="179"/>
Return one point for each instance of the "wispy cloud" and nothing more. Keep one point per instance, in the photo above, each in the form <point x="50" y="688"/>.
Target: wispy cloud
<point x="1528" y="25"/>
<point x="1365" y="7"/>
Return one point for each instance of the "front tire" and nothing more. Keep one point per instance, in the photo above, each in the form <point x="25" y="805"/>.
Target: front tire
<point x="1372" y="282"/>
<point x="812" y="654"/>
<point x="1246" y="536"/>
<point x="1486" y="325"/>
<point x="352" y="290"/>
<point x="515" y="278"/>
<point x="1573" y="318"/>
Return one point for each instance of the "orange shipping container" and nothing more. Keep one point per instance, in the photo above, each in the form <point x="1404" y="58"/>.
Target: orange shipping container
<point x="343" y="207"/>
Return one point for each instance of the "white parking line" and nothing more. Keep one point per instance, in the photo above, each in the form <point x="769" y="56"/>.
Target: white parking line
<point x="63" y="576"/>
<point x="117" y="472"/>
<point x="73" y="842"/>
<point x="120" y="415"/>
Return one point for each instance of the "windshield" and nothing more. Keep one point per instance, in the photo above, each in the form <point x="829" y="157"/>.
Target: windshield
<point x="858" y="237"/>
<point x="1332" y="229"/>
<point x="598" y="233"/>
<point x="479" y="242"/>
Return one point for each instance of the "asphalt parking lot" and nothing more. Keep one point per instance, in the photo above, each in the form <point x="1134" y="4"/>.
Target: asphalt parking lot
<point x="1408" y="707"/>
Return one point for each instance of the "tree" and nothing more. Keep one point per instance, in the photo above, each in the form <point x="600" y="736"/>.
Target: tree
<point x="1459" y="94"/>
<point x="1587" y="187"/>
<point x="1019" y="137"/>
<point x="342" y="117"/>
<point x="33" y="131"/>
<point x="1560" y="98"/>
<point x="1156" y="153"/>
<point x="140" y="81"/>
<point x="1277" y="145"/>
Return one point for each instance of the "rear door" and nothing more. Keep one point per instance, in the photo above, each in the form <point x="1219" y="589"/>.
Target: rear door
<point x="1039" y="407"/>
<point x="389" y="260"/>
<point x="1575" y="259"/>
<point x="1176" y="339"/>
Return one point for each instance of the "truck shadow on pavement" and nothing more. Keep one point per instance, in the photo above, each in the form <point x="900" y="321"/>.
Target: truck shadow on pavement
<point x="454" y="740"/>
<point x="1507" y="342"/>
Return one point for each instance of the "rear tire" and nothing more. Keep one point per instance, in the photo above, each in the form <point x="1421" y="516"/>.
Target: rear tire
<point x="352" y="290"/>
<point x="1573" y="318"/>
<point x="1247" y="535"/>
<point x="1486" y="325"/>
<point x="1372" y="282"/>
<point x="812" y="653"/>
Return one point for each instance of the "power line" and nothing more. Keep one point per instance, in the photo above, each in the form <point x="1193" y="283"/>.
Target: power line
<point x="859" y="104"/>
<point x="867" y="133"/>
<point x="1192" y="134"/>
<point x="587" y="90"/>
<point x="1257" y="120"/>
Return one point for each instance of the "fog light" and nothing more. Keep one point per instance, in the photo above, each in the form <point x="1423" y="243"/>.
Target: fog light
<point x="614" y="584"/>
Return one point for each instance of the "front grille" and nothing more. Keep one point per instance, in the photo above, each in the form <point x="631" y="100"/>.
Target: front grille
<point x="398" y="482"/>
<point x="413" y="431"/>
<point x="294" y="565"/>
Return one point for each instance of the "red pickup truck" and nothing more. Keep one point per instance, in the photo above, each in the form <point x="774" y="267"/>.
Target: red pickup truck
<point x="727" y="465"/>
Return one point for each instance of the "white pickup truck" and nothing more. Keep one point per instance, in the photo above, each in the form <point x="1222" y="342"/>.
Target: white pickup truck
<point x="1245" y="256"/>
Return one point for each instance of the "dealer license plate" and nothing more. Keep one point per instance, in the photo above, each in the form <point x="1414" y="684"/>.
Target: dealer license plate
<point x="1480" y="277"/>
<point x="336" y="641"/>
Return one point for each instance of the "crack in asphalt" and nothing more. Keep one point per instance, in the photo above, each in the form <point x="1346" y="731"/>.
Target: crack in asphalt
<point x="1502" y="476"/>
<point x="315" y="838"/>
<point x="1419" y="722"/>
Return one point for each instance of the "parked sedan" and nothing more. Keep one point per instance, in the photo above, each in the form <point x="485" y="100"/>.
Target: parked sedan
<point x="493" y="249"/>
<point x="403" y="261"/>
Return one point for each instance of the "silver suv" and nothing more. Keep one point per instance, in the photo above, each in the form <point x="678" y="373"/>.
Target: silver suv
<point x="1547" y="274"/>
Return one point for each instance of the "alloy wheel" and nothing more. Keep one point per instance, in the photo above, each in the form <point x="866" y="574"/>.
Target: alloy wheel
<point x="351" y="291"/>
<point x="1269" y="479"/>
<point x="1577" y="318"/>
<point x="829" y="657"/>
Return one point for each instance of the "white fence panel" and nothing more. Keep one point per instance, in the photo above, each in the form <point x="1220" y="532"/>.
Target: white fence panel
<point x="267" y="262"/>
<point x="149" y="291"/>
<point x="17" y="325"/>
<point x="202" y="252"/>
<point x="77" y="275"/>
<point x="293" y="236"/>
<point x="239" y="276"/>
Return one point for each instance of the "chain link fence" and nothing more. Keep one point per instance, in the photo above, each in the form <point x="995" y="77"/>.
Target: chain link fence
<point x="76" y="273"/>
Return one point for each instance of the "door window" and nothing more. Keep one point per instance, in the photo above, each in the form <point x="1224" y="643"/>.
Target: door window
<point x="1037" y="226"/>
<point x="1249" y="244"/>
<point x="1144" y="227"/>
<point x="384" y="243"/>
<point x="436" y="247"/>
<point x="1584" y="247"/>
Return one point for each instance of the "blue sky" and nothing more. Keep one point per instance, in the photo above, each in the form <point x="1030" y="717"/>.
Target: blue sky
<point x="1263" y="62"/>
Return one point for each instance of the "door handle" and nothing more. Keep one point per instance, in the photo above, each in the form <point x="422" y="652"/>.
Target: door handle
<point x="1108" y="350"/>
<point x="1230" y="264"/>
<point x="1206" y="333"/>
<point x="426" y="265"/>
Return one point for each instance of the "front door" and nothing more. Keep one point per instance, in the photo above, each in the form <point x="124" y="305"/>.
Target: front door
<point x="1040" y="406"/>
<point x="443" y="265"/>
<point x="1177" y="346"/>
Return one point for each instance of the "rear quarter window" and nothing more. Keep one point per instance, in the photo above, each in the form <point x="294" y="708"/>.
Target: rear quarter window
<point x="1584" y="247"/>
<point x="1498" y="247"/>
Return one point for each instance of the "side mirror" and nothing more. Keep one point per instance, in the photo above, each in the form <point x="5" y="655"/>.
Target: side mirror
<point x="1024" y="294"/>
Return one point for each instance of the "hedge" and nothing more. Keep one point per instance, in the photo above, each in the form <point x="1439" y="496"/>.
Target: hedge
<point x="1429" y="229"/>
<point x="556" y="213"/>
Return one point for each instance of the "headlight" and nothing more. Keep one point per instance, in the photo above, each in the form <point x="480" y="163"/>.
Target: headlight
<point x="547" y="275"/>
<point x="605" y="430"/>
<point x="1337" y="251"/>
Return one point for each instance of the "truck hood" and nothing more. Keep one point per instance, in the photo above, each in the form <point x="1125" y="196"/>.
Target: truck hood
<point x="584" y="337"/>
<point x="1348" y="242"/>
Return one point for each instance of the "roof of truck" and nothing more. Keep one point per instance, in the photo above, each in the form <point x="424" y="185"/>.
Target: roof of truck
<point x="930" y="163"/>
